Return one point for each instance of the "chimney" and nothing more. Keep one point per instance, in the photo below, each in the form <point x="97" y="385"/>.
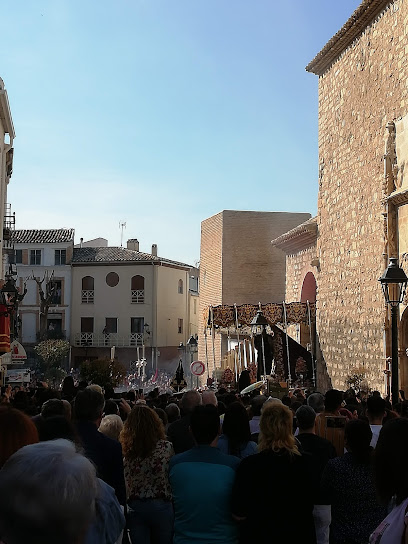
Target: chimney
<point x="133" y="244"/>
<point x="81" y="241"/>
<point x="154" y="250"/>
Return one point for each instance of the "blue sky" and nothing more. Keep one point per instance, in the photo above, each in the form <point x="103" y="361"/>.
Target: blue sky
<point x="162" y="113"/>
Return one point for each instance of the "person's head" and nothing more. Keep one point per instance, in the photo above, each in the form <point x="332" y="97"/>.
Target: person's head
<point x="111" y="407"/>
<point x="173" y="412"/>
<point x="142" y="430"/>
<point x="162" y="415"/>
<point x="89" y="405"/>
<point x="109" y="392"/>
<point x="16" y="430"/>
<point x="333" y="400"/>
<point x="111" y="426"/>
<point x="305" y="417"/>
<point x="67" y="409"/>
<point x="236" y="426"/>
<point x="96" y="387"/>
<point x="390" y="459"/>
<point x="208" y="397"/>
<point x="205" y="424"/>
<point x="357" y="438"/>
<point x="189" y="401"/>
<point x="57" y="427"/>
<point x="276" y="427"/>
<point x="316" y="401"/>
<point x="68" y="387"/>
<point x="375" y="410"/>
<point x="47" y="494"/>
<point x="52" y="407"/>
<point x="256" y="405"/>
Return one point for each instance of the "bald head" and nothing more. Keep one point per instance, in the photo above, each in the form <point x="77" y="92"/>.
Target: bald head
<point x="208" y="397"/>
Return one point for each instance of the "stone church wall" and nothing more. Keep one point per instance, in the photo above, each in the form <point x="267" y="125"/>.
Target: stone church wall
<point x="363" y="90"/>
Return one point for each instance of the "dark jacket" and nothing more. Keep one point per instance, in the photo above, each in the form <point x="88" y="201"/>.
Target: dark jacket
<point x="179" y="435"/>
<point x="106" y="454"/>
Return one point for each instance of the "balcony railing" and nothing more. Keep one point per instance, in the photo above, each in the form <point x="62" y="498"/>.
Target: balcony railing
<point x="87" y="296"/>
<point x="138" y="296"/>
<point x="90" y="339"/>
<point x="8" y="227"/>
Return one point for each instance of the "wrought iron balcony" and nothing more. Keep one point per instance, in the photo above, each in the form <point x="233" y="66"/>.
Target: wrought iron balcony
<point x="87" y="296"/>
<point x="91" y="339"/>
<point x="9" y="226"/>
<point x="137" y="296"/>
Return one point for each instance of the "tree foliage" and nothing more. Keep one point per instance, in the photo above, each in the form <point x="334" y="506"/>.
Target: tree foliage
<point x="103" y="372"/>
<point x="52" y="352"/>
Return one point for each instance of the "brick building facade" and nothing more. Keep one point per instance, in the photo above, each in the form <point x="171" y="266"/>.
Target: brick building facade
<point x="239" y="266"/>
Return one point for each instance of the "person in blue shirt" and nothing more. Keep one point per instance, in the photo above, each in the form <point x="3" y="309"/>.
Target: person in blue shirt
<point x="202" y="479"/>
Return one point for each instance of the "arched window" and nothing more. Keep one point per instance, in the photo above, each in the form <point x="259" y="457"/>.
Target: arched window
<point x="180" y="287"/>
<point x="137" y="289"/>
<point x="87" y="293"/>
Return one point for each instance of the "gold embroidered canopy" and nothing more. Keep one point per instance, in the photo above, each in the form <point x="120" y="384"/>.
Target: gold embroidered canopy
<point x="231" y="316"/>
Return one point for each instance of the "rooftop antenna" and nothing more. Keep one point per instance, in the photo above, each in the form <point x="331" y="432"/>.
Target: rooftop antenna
<point x="122" y="225"/>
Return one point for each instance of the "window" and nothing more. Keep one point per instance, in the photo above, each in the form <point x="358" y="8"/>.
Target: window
<point x="19" y="256"/>
<point x="35" y="256"/>
<point x="60" y="256"/>
<point x="112" y="279"/>
<point x="180" y="287"/>
<point x="57" y="298"/>
<point x="111" y="325"/>
<point x="180" y="326"/>
<point x="137" y="325"/>
<point x="87" y="293"/>
<point x="54" y="327"/>
<point x="87" y="324"/>
<point x="137" y="289"/>
<point x="87" y="327"/>
<point x="136" y="331"/>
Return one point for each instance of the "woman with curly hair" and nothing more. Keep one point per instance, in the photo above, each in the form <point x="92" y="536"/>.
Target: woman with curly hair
<point x="146" y="462"/>
<point x="267" y="501"/>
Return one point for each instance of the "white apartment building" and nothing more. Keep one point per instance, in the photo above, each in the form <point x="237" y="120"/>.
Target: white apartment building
<point x="125" y="298"/>
<point x="7" y="136"/>
<point x="41" y="254"/>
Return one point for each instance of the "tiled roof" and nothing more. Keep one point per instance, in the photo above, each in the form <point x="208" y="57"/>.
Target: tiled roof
<point x="117" y="255"/>
<point x="49" y="236"/>
<point x="367" y="11"/>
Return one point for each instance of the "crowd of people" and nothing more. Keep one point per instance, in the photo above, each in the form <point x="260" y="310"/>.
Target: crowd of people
<point x="82" y="465"/>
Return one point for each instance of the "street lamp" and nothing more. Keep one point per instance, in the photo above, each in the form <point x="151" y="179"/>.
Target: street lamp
<point x="258" y="326"/>
<point x="192" y="348"/>
<point x="394" y="283"/>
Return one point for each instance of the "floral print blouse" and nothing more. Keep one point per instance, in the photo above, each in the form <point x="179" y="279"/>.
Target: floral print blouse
<point x="149" y="478"/>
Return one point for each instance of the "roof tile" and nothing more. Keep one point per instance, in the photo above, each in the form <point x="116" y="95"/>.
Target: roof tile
<point x="48" y="236"/>
<point x="117" y="254"/>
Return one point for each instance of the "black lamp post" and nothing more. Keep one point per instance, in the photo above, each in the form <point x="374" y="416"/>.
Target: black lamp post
<point x="394" y="283"/>
<point x="258" y="326"/>
<point x="192" y="348"/>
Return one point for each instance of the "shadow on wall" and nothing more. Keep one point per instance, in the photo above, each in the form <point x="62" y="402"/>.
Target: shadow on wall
<point x="324" y="382"/>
